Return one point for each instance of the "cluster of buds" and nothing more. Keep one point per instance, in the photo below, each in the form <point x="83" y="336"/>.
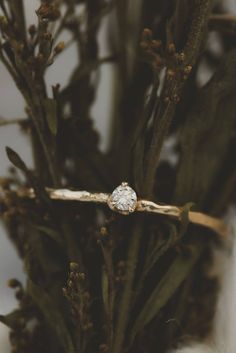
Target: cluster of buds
<point x="152" y="48"/>
<point x="48" y="12"/>
<point x="10" y="209"/>
<point x="19" y="334"/>
<point x="165" y="57"/>
<point x="177" y="63"/>
<point x="33" y="54"/>
<point x="79" y="298"/>
<point x="177" y="71"/>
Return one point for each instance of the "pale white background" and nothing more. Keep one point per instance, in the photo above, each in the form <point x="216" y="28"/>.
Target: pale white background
<point x="12" y="106"/>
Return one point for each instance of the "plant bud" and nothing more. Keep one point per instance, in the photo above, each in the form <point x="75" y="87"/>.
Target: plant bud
<point x="59" y="48"/>
<point x="48" y="12"/>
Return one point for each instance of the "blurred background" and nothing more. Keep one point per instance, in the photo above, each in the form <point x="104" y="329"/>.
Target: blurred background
<point x="12" y="106"/>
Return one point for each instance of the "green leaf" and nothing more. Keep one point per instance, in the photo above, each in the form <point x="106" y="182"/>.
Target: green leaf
<point x="50" y="106"/>
<point x="52" y="314"/>
<point x="11" y="320"/>
<point x="164" y="290"/>
<point x="51" y="233"/>
<point x="15" y="159"/>
<point x="47" y="258"/>
<point x="159" y="247"/>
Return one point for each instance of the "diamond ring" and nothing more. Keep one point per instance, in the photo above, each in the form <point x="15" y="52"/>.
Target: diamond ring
<point x="124" y="200"/>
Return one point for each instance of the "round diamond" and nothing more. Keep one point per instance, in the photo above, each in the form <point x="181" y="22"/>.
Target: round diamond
<point x="123" y="199"/>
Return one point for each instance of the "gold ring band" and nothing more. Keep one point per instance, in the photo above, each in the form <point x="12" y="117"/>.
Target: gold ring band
<point x="124" y="200"/>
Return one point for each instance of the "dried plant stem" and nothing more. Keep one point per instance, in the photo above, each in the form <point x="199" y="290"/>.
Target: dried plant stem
<point x="197" y="30"/>
<point x="124" y="307"/>
<point x="165" y="114"/>
<point x="161" y="128"/>
<point x="200" y="20"/>
<point x="34" y="105"/>
<point x="6" y="122"/>
<point x="221" y="18"/>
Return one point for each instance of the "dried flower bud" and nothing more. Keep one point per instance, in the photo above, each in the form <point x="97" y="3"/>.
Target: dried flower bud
<point x="103" y="231"/>
<point x="82" y="276"/>
<point x="13" y="283"/>
<point x="32" y="30"/>
<point x="74" y="267"/>
<point x="48" y="12"/>
<point x="181" y="57"/>
<point x="70" y="284"/>
<point x="170" y="74"/>
<point x="156" y="44"/>
<point x="47" y="36"/>
<point x="176" y="98"/>
<point x="5" y="182"/>
<point x="188" y="69"/>
<point x="59" y="48"/>
<point x="147" y="34"/>
<point x="171" y="48"/>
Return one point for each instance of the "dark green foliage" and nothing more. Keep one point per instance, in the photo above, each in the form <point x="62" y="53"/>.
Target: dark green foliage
<point x="98" y="281"/>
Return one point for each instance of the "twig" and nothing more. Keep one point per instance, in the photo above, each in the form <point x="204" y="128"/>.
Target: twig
<point x="222" y="18"/>
<point x="5" y="122"/>
<point x="124" y="307"/>
<point x="107" y="255"/>
<point x="4" y="10"/>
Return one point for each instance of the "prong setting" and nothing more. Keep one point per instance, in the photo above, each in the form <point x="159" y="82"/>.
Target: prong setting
<point x="123" y="199"/>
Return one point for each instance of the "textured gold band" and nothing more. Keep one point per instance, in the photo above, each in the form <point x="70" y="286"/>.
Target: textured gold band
<point x="202" y="219"/>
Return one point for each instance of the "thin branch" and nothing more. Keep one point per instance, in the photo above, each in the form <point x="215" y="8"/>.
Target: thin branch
<point x="4" y="10"/>
<point x="125" y="304"/>
<point x="6" y="122"/>
<point x="221" y="18"/>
